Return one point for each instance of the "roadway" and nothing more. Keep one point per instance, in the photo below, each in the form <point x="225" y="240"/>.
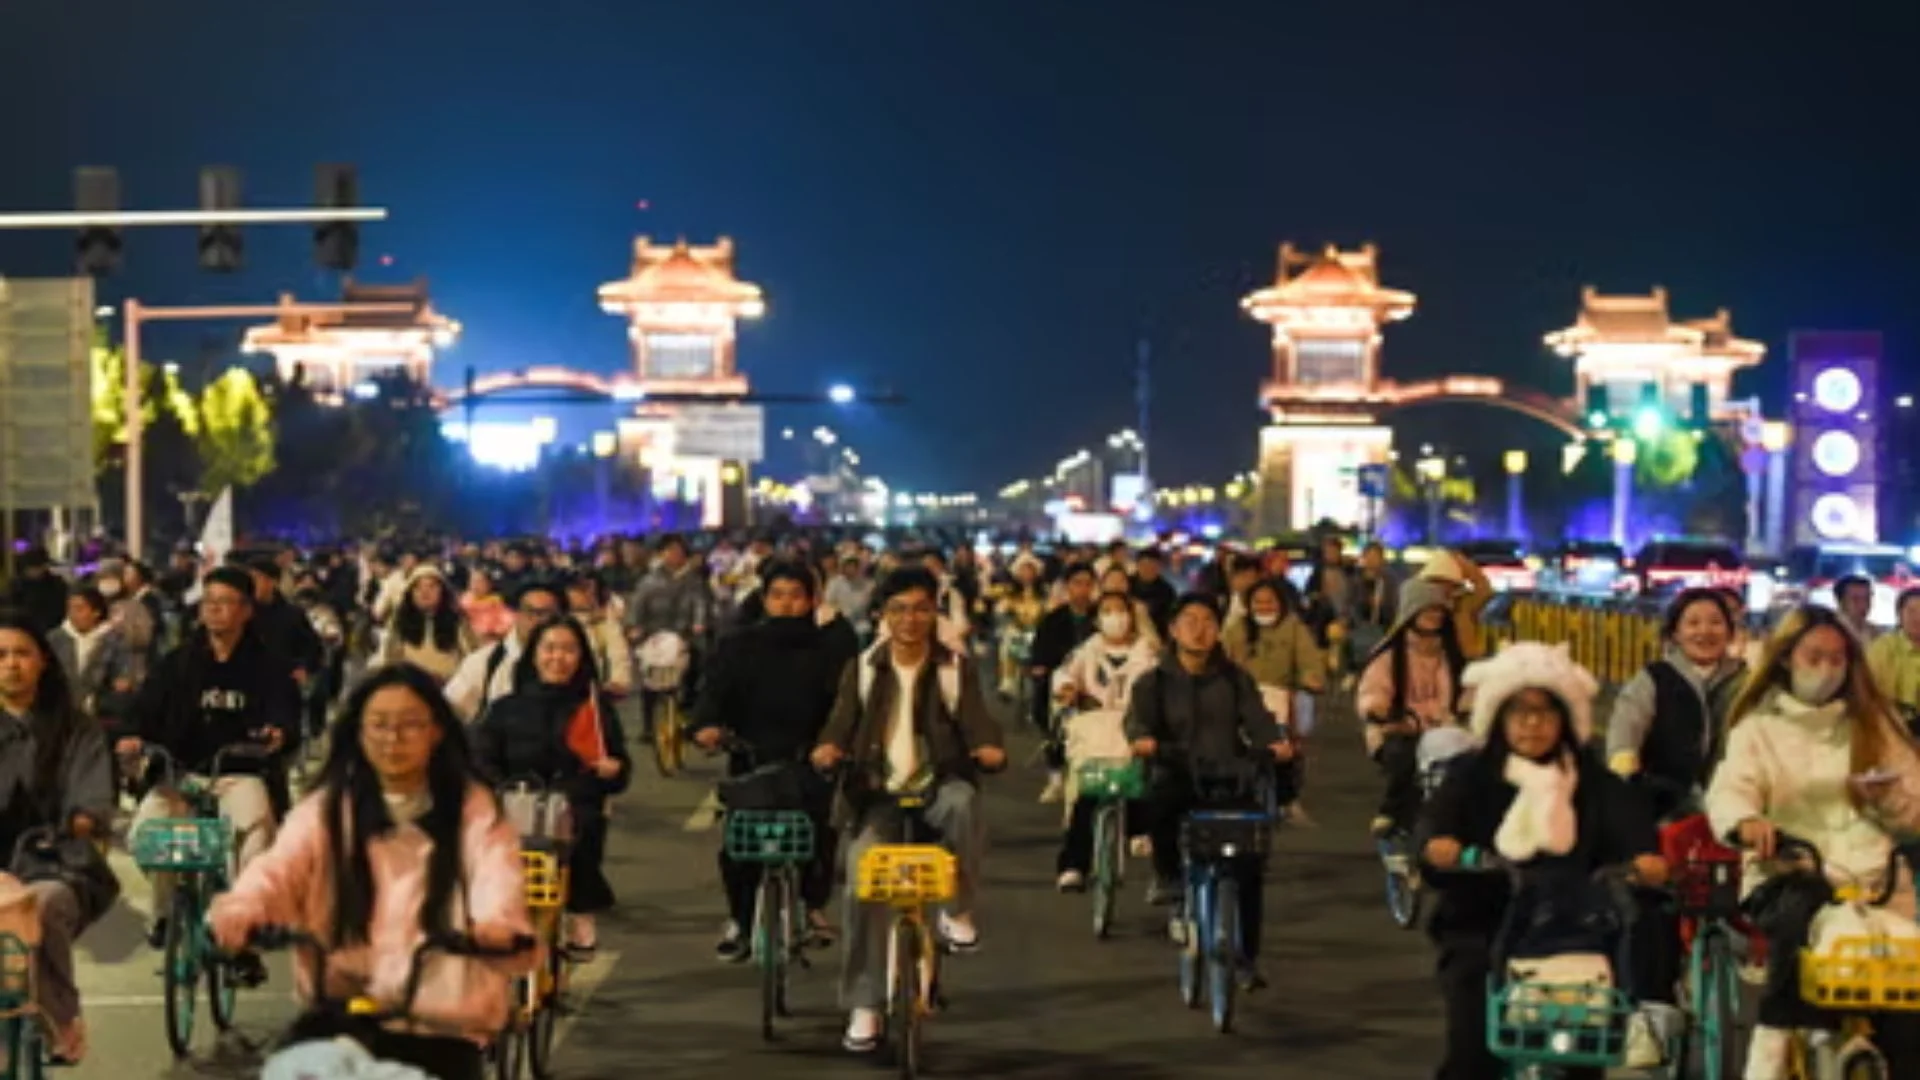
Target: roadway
<point x="1350" y="996"/>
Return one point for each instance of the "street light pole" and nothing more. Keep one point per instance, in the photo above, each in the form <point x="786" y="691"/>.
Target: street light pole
<point x="138" y="314"/>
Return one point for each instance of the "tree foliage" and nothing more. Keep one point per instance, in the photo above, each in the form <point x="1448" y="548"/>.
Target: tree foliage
<point x="234" y="435"/>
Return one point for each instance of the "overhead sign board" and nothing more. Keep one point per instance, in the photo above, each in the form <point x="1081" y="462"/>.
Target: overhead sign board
<point x="730" y="432"/>
<point x="46" y="393"/>
<point x="1373" y="481"/>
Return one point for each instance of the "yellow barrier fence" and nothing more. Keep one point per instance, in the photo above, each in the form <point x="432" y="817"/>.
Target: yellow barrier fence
<point x="1612" y="643"/>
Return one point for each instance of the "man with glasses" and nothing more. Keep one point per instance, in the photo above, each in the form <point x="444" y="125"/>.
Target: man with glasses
<point x="222" y="686"/>
<point x="486" y="676"/>
<point x="910" y="716"/>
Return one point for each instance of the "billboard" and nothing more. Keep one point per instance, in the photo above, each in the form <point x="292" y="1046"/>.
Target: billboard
<point x="726" y="432"/>
<point x="46" y="393"/>
<point x="1836" y="436"/>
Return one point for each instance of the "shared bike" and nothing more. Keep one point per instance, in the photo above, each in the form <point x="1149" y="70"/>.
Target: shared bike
<point x="910" y="878"/>
<point x="1111" y="783"/>
<point x="1229" y="830"/>
<point x="545" y="823"/>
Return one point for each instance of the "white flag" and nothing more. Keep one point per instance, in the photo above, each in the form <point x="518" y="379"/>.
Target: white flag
<point x="216" y="536"/>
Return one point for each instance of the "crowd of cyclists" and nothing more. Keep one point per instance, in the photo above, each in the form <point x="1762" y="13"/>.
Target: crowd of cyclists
<point x="384" y="693"/>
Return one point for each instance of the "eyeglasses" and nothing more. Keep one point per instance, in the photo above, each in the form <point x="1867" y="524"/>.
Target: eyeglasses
<point x="541" y="612"/>
<point x="404" y="731"/>
<point x="910" y="611"/>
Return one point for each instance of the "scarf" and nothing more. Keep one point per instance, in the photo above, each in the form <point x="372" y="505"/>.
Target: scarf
<point x="1541" y="819"/>
<point x="84" y="644"/>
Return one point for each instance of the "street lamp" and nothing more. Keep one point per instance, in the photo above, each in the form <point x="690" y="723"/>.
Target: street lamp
<point x="840" y="394"/>
<point x="1626" y="451"/>
<point x="1431" y="471"/>
<point x="1516" y="463"/>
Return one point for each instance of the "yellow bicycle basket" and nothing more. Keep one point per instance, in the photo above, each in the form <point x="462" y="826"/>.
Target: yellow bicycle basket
<point x="1863" y="974"/>
<point x="541" y="872"/>
<point x="906" y="874"/>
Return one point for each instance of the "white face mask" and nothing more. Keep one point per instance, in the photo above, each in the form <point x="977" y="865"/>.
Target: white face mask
<point x="1114" y="625"/>
<point x="1272" y="619"/>
<point x="1818" y="685"/>
<point x="109" y="588"/>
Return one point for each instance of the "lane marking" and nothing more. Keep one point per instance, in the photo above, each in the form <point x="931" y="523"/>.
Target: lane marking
<point x="586" y="980"/>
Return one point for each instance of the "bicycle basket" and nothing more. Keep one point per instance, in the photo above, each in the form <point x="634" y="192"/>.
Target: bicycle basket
<point x="1110" y="778"/>
<point x="540" y="873"/>
<point x="662" y="679"/>
<point x="1707" y="883"/>
<point x="1565" y="1024"/>
<point x="906" y="874"/>
<point x="769" y="836"/>
<point x="1208" y="835"/>
<point x="16" y="972"/>
<point x="182" y="844"/>
<point x="1862" y="974"/>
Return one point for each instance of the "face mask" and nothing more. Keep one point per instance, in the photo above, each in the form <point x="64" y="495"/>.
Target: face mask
<point x="109" y="588"/>
<point x="1266" y="620"/>
<point x="1114" y="625"/>
<point x="1818" y="685"/>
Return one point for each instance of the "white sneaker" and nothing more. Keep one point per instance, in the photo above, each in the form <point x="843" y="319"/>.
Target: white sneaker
<point x="1071" y="881"/>
<point x="1056" y="789"/>
<point x="1647" y="1034"/>
<point x="1767" y="1054"/>
<point x="1140" y="847"/>
<point x="863" y="1031"/>
<point x="959" y="931"/>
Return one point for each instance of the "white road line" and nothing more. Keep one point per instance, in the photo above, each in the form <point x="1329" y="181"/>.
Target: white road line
<point x="582" y="982"/>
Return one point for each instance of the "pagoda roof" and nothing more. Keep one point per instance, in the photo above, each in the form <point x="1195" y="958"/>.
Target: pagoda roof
<point x="414" y="292"/>
<point x="1634" y="319"/>
<point x="1331" y="278"/>
<point x="681" y="273"/>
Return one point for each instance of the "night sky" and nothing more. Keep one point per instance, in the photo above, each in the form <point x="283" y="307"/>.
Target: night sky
<point x="983" y="203"/>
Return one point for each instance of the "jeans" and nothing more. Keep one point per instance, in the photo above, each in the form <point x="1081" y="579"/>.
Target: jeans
<point x="953" y="813"/>
<point x="1076" y="848"/>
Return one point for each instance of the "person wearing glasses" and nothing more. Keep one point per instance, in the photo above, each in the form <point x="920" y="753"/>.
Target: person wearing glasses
<point x="910" y="716"/>
<point x="223" y="686"/>
<point x="486" y="676"/>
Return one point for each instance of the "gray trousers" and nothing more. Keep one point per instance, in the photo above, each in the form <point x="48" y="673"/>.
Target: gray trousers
<point x="59" y="998"/>
<point x="863" y="970"/>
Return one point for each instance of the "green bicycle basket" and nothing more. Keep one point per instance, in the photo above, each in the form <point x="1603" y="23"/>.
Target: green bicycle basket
<point x="182" y="844"/>
<point x="16" y="972"/>
<point x="769" y="836"/>
<point x="1571" y="1026"/>
<point x="1110" y="778"/>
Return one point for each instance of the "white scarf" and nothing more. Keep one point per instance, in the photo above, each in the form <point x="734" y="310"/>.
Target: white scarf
<point x="1541" y="819"/>
<point x="84" y="643"/>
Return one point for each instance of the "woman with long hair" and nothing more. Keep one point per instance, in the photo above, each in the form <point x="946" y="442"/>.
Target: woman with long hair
<point x="399" y="840"/>
<point x="55" y="772"/>
<point x="1815" y="750"/>
<point x="1411" y="684"/>
<point x="559" y="727"/>
<point x="427" y="629"/>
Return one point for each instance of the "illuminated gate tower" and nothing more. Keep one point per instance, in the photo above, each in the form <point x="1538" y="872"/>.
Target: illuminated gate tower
<point x="338" y="350"/>
<point x="1326" y="311"/>
<point x="682" y="304"/>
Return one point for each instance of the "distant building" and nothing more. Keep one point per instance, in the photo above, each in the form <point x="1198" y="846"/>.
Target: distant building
<point x="1629" y="353"/>
<point x="334" y="352"/>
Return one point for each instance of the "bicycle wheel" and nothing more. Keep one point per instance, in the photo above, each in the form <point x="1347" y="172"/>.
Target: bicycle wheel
<point x="1223" y="952"/>
<point x="904" y="1015"/>
<point x="1717" y="1002"/>
<point x="1190" y="945"/>
<point x="667" y="751"/>
<point x="223" y="993"/>
<point x="1403" y="891"/>
<point x="180" y="976"/>
<point x="1862" y="1063"/>
<point x="509" y="1052"/>
<point x="769" y="946"/>
<point x="1106" y="866"/>
<point x="27" y="1049"/>
<point x="544" y="1025"/>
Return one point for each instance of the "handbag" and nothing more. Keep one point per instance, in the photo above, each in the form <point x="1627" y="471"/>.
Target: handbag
<point x="42" y="855"/>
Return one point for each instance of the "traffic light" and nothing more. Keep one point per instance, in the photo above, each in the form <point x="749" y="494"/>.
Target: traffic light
<point x="337" y="243"/>
<point x="221" y="247"/>
<point x="96" y="190"/>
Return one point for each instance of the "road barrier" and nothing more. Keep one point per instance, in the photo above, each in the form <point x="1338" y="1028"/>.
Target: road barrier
<point x="1612" y="641"/>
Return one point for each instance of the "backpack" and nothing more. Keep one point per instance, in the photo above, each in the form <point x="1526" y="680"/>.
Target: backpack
<point x="948" y="673"/>
<point x="494" y="660"/>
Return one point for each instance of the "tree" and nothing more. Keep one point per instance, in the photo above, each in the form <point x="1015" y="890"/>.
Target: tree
<point x="161" y="395"/>
<point x="235" y="433"/>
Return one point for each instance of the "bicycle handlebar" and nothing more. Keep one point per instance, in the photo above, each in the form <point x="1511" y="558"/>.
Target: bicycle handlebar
<point x="276" y="938"/>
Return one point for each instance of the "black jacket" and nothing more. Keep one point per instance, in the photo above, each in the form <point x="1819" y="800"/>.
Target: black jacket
<point x="772" y="684"/>
<point x="193" y="704"/>
<point x="525" y="734"/>
<point x="1059" y="633"/>
<point x="1213" y="716"/>
<point x="1614" y="824"/>
<point x="285" y="629"/>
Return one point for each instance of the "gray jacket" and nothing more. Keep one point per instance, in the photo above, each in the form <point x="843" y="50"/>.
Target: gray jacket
<point x="1212" y="716"/>
<point x="80" y="781"/>
<point x="678" y="602"/>
<point x="111" y="661"/>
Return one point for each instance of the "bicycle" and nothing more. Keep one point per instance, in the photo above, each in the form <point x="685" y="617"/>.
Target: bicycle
<point x="1406" y="891"/>
<point x="1111" y="783"/>
<point x="1852" y="977"/>
<point x="1233" y="822"/>
<point x="664" y="662"/>
<point x="909" y="878"/>
<point x="200" y="854"/>
<point x="21" y="1037"/>
<point x="1706" y="893"/>
<point x="361" y="1011"/>
<point x="546" y="832"/>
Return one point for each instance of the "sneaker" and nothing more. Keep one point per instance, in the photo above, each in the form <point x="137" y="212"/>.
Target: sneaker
<point x="1162" y="893"/>
<point x="1177" y="927"/>
<point x="582" y="940"/>
<point x="821" y="932"/>
<point x="863" y="1031"/>
<point x="959" y="932"/>
<point x="1250" y="978"/>
<point x="1056" y="789"/>
<point x="1140" y="847"/>
<point x="1072" y="881"/>
<point x="68" y="1046"/>
<point x="1644" y="1049"/>
<point x="157" y="933"/>
<point x="732" y="948"/>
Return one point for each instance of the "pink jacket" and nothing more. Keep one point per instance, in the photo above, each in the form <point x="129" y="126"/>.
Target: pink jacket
<point x="289" y="885"/>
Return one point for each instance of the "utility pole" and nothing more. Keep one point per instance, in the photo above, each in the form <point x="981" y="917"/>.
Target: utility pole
<point x="1143" y="397"/>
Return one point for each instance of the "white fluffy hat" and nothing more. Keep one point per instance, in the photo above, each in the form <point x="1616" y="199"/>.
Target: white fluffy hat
<point x="1529" y="665"/>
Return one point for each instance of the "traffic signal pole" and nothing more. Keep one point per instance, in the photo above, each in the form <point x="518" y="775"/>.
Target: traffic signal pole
<point x="137" y="315"/>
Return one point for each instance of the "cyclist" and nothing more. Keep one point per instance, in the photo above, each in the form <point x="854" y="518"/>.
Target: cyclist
<point x="589" y="601"/>
<point x="1815" y="750"/>
<point x="771" y="685"/>
<point x="222" y="686"/>
<point x="1100" y="677"/>
<point x="1667" y="720"/>
<point x="558" y="726"/>
<point x="1468" y="592"/>
<point x="1535" y="796"/>
<point x="401" y="839"/>
<point x="1059" y="632"/>
<point x="428" y="629"/>
<point x="938" y="736"/>
<point x="487" y="676"/>
<point x="1209" y="707"/>
<point x="57" y="772"/>
<point x="1894" y="657"/>
<point x="673" y="598"/>
<point x="1410" y="684"/>
<point x="1853" y="599"/>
